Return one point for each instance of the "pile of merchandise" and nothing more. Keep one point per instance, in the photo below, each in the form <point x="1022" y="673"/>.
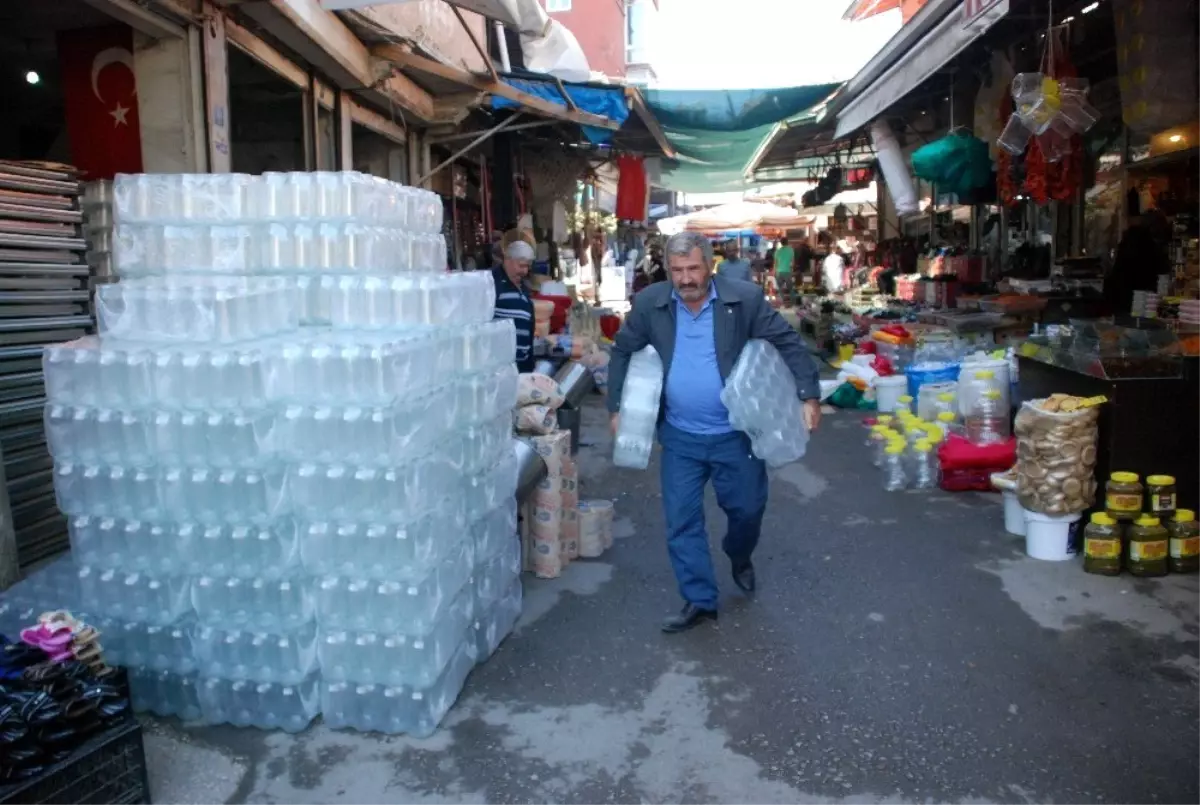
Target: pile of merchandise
<point x="56" y="694"/>
<point x="287" y="458"/>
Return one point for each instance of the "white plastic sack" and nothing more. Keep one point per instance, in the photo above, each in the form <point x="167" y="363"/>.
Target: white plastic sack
<point x="895" y="170"/>
<point x="557" y="53"/>
<point x="763" y="403"/>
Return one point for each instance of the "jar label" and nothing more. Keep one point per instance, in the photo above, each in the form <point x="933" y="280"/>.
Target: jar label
<point x="1119" y="502"/>
<point x="1182" y="548"/>
<point x="1102" y="548"/>
<point x="1162" y="502"/>
<point x="1147" y="551"/>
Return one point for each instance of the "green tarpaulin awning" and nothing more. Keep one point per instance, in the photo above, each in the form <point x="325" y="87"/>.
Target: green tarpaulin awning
<point x="717" y="132"/>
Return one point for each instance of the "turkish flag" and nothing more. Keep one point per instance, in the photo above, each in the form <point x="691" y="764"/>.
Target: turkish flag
<point x="100" y="96"/>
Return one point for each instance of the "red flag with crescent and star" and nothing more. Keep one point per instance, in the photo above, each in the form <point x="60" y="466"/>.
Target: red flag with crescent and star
<point x="100" y="97"/>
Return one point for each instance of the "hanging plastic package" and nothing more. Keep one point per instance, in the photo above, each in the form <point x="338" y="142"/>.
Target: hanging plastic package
<point x="895" y="172"/>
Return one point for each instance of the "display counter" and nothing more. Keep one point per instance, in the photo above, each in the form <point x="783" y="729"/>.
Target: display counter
<point x="1151" y="423"/>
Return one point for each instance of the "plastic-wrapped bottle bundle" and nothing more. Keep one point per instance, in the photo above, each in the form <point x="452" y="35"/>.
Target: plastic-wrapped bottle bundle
<point x="270" y="517"/>
<point x="640" y="399"/>
<point x="762" y="401"/>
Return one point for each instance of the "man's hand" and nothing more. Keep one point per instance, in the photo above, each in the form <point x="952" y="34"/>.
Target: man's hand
<point x="812" y="415"/>
<point x="615" y="422"/>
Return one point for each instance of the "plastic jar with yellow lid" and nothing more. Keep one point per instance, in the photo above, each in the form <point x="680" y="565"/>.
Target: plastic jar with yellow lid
<point x="1123" y="496"/>
<point x="1148" y="547"/>
<point x="1160" y="496"/>
<point x="1184" y="542"/>
<point x="1102" y="545"/>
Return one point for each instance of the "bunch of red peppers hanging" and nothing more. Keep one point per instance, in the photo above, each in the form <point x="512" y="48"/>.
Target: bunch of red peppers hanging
<point x="1031" y="173"/>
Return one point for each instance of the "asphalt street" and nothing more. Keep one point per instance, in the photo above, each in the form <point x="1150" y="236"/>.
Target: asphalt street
<point x="901" y="649"/>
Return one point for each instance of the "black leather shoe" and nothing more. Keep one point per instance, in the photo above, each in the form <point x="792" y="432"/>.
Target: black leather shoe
<point x="690" y="616"/>
<point x="743" y="577"/>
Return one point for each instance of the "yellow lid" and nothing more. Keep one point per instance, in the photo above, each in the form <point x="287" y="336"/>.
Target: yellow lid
<point x="1102" y="518"/>
<point x="1160" y="480"/>
<point x="946" y="416"/>
<point x="923" y="446"/>
<point x="984" y="374"/>
<point x="1147" y="520"/>
<point x="946" y="396"/>
<point x="1125" y="477"/>
<point x="895" y="449"/>
<point x="992" y="394"/>
<point x="885" y="418"/>
<point x="904" y="398"/>
<point x="1184" y="515"/>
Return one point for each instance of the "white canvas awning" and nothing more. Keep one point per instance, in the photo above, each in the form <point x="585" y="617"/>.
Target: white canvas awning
<point x="730" y="217"/>
<point x="921" y="59"/>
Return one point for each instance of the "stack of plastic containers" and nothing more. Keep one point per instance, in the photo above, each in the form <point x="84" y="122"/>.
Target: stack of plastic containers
<point x="273" y="520"/>
<point x="640" y="399"/>
<point x="763" y="403"/>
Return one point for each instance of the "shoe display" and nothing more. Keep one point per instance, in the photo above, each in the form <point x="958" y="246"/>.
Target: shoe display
<point x="55" y="694"/>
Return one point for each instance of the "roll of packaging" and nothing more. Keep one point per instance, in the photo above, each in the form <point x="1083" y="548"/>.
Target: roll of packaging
<point x="555" y="449"/>
<point x="568" y="496"/>
<point x="595" y="527"/>
<point x="536" y="419"/>
<point x="545" y="537"/>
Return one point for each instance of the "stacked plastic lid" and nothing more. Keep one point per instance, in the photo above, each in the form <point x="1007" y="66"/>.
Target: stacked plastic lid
<point x="272" y="519"/>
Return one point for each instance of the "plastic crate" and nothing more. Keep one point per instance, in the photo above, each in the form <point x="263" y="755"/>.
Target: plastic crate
<point x="110" y="768"/>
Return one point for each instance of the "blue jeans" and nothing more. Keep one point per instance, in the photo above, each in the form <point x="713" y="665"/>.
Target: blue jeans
<point x="689" y="461"/>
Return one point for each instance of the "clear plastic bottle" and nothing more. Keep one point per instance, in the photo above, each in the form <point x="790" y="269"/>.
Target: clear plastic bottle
<point x="895" y="474"/>
<point x="987" y="421"/>
<point x="904" y="405"/>
<point x="947" y="423"/>
<point x="876" y="435"/>
<point x="879" y="446"/>
<point x="924" y="466"/>
<point x="947" y="401"/>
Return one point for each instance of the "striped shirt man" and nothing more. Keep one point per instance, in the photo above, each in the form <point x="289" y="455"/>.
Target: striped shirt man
<point x="512" y="300"/>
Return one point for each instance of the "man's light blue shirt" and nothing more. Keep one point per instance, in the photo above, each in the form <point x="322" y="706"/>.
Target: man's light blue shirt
<point x="694" y="383"/>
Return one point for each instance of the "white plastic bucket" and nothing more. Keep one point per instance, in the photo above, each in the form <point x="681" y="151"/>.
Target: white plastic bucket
<point x="1014" y="514"/>
<point x="888" y="391"/>
<point x="1048" y="538"/>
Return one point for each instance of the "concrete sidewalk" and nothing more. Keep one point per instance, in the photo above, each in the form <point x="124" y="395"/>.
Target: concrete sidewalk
<point x="901" y="649"/>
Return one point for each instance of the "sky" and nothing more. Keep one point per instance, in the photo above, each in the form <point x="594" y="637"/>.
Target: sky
<point x="743" y="44"/>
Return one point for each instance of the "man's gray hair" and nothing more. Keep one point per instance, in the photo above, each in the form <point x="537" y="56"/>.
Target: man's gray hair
<point x="682" y="243"/>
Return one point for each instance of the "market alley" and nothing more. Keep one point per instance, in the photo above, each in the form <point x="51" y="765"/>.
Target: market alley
<point x="901" y="649"/>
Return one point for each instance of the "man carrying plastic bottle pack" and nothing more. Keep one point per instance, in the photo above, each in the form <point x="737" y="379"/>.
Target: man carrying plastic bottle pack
<point x="698" y="324"/>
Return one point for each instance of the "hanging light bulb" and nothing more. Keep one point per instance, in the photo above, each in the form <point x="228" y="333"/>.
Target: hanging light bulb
<point x="32" y="77"/>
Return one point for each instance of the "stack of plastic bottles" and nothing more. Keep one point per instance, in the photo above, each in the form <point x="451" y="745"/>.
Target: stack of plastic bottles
<point x="640" y="399"/>
<point x="287" y="458"/>
<point x="763" y="402"/>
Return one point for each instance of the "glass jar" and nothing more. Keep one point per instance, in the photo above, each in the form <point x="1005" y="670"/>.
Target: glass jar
<point x="1160" y="496"/>
<point x="1183" y="534"/>
<point x="1148" y="547"/>
<point x="1102" y="546"/>
<point x="1123" y="496"/>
